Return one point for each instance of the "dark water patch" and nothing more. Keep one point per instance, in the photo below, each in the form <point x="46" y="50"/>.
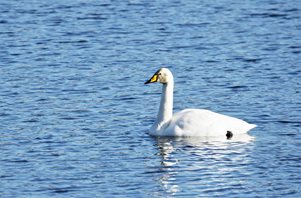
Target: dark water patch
<point x="296" y="52"/>
<point x="16" y="161"/>
<point x="95" y="17"/>
<point x="188" y="25"/>
<point x="288" y="134"/>
<point x="296" y="49"/>
<point x="252" y="60"/>
<point x="292" y="10"/>
<point x="268" y="15"/>
<point x="5" y="176"/>
<point x="295" y="46"/>
<point x="79" y="111"/>
<point x="82" y="41"/>
<point x="295" y="123"/>
<point x="212" y="61"/>
<point x="69" y="118"/>
<point x="60" y="190"/>
<point x="127" y="98"/>
<point x="31" y="120"/>
<point x="77" y="91"/>
<point x="238" y="87"/>
<point x="4" y="114"/>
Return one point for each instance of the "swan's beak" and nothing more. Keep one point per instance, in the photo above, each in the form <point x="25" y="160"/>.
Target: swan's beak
<point x="153" y="79"/>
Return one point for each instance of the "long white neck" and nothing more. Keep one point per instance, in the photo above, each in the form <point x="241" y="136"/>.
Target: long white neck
<point x="166" y="105"/>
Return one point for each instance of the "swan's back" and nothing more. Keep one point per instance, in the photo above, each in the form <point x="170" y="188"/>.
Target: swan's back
<point x="200" y="122"/>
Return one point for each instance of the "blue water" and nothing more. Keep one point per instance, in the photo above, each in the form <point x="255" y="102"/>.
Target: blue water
<point x="74" y="111"/>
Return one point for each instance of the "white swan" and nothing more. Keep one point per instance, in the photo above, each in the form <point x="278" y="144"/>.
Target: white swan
<point x="190" y="122"/>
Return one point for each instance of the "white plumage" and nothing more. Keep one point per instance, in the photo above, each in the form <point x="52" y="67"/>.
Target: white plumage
<point x="190" y="122"/>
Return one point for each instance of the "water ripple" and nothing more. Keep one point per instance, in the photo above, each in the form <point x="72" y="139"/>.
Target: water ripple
<point x="75" y="112"/>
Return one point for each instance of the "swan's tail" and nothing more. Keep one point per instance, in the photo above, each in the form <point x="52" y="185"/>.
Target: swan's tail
<point x="245" y="128"/>
<point x="251" y="126"/>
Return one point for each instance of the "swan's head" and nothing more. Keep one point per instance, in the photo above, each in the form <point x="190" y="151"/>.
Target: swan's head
<point x="163" y="75"/>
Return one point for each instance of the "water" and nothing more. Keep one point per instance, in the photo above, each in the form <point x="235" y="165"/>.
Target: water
<point x="75" y="112"/>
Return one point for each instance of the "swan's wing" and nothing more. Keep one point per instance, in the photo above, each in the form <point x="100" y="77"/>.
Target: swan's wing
<point x="199" y="122"/>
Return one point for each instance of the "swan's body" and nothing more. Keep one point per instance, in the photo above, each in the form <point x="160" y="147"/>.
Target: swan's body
<point x="190" y="122"/>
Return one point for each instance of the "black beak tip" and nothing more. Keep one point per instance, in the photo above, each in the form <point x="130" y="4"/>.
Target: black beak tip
<point x="147" y="82"/>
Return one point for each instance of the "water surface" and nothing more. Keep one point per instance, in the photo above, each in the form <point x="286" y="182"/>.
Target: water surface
<point x="74" y="111"/>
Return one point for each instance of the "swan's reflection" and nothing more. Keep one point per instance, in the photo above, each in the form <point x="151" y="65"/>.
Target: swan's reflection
<point x="174" y="151"/>
<point x="166" y="149"/>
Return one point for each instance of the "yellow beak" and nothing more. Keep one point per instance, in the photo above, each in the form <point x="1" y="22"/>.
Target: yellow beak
<point x="153" y="79"/>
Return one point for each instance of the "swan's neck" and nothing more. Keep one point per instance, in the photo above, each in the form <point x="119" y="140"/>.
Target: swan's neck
<point x="166" y="106"/>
